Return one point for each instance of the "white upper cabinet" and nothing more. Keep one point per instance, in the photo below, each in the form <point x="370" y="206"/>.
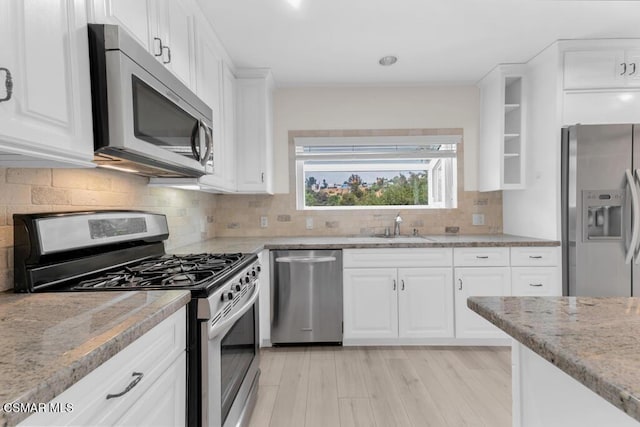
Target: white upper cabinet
<point x="133" y="16"/>
<point x="601" y="68"/>
<point x="501" y="153"/>
<point x="210" y="87"/>
<point x="254" y="118"/>
<point x="176" y="30"/>
<point x="164" y="27"/>
<point x="45" y="96"/>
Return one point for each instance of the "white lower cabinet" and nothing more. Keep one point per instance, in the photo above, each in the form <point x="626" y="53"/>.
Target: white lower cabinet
<point x="389" y="303"/>
<point x="370" y="303"/>
<point x="398" y="303"/>
<point x="425" y="303"/>
<point x="478" y="281"/>
<point x="142" y="385"/>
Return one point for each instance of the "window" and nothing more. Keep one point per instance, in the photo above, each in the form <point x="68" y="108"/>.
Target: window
<point x="377" y="171"/>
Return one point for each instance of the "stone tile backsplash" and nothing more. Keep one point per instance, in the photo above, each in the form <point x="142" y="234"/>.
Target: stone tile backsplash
<point x="190" y="214"/>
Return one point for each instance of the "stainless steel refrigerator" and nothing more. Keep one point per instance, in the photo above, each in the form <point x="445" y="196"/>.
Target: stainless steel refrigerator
<point x="601" y="210"/>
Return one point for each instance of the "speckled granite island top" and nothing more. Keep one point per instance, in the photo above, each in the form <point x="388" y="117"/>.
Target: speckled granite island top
<point x="256" y="244"/>
<point x="50" y="341"/>
<point x="594" y="340"/>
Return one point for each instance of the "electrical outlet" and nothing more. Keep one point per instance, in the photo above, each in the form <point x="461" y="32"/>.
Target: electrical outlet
<point x="264" y="222"/>
<point x="309" y="222"/>
<point x="477" y="219"/>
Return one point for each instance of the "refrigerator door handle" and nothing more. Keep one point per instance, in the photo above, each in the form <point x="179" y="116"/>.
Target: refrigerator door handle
<point x="635" y="212"/>
<point x="636" y="249"/>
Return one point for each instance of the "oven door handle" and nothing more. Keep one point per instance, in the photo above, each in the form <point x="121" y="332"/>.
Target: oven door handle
<point x="218" y="328"/>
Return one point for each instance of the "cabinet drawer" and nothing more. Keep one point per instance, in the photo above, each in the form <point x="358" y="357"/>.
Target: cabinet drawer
<point x="404" y="257"/>
<point x="149" y="355"/>
<point x="534" y="256"/>
<point x="479" y="257"/>
<point x="533" y="281"/>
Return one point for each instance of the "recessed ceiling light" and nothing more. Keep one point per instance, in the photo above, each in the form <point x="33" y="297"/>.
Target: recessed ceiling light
<point x="388" y="60"/>
<point x="294" y="3"/>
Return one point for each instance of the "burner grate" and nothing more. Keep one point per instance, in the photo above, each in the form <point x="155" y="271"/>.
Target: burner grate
<point x="168" y="271"/>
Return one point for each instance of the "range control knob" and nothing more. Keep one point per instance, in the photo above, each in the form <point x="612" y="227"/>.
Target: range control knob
<point x="258" y="268"/>
<point x="227" y="296"/>
<point x="253" y="273"/>
<point x="237" y="287"/>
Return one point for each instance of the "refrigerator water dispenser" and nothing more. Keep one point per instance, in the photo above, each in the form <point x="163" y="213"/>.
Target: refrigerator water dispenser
<point x="602" y="214"/>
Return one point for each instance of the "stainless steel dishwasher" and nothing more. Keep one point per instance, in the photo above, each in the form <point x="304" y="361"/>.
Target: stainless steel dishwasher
<point x="306" y="296"/>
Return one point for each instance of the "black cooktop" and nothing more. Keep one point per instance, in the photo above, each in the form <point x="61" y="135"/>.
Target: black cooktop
<point x="201" y="273"/>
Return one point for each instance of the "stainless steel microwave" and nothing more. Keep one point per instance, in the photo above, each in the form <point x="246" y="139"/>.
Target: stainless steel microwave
<point x="145" y="120"/>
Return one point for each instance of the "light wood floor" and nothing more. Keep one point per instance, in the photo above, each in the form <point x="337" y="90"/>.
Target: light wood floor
<point x="384" y="387"/>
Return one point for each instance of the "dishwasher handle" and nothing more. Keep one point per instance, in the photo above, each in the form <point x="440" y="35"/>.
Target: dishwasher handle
<point x="305" y="259"/>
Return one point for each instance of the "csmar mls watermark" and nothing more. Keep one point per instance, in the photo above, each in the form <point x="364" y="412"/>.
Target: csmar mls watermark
<point x="32" y="407"/>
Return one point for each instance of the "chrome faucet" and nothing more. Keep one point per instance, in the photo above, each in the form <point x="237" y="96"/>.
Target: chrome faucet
<point x="396" y="227"/>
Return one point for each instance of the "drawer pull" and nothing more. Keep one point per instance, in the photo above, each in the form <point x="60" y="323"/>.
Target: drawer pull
<point x="535" y="256"/>
<point x="460" y="281"/>
<point x="535" y="285"/>
<point x="482" y="256"/>
<point x="138" y="376"/>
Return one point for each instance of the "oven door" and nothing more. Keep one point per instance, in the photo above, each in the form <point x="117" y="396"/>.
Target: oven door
<point x="233" y="370"/>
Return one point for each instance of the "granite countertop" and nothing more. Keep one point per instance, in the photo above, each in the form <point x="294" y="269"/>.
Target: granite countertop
<point x="50" y="341"/>
<point x="256" y="244"/>
<point x="594" y="340"/>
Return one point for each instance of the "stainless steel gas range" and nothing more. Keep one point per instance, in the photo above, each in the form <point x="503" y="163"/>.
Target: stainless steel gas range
<point x="124" y="250"/>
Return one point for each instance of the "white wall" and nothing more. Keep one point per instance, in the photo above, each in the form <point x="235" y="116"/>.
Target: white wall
<point x="535" y="211"/>
<point x="324" y="108"/>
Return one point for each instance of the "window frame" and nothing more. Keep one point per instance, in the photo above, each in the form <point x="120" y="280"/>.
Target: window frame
<point x="445" y="165"/>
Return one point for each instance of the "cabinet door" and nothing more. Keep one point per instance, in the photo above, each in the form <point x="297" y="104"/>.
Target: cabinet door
<point x="176" y="17"/>
<point x="164" y="403"/>
<point x="229" y="127"/>
<point x="425" y="302"/>
<point x="47" y="120"/>
<point x="370" y="303"/>
<point x="254" y="139"/>
<point x="633" y="67"/>
<point x="594" y="69"/>
<point x="481" y="281"/>
<point x="133" y="16"/>
<point x="209" y="89"/>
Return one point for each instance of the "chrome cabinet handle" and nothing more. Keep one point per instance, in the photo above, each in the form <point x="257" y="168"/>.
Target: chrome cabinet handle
<point x="394" y="284"/>
<point x="460" y="287"/>
<point x="160" y="47"/>
<point x="262" y="177"/>
<point x="624" y="69"/>
<point x="633" y="69"/>
<point x="168" y="54"/>
<point x="482" y="256"/>
<point x="138" y="376"/>
<point x="8" y="84"/>
<point x="402" y="281"/>
<point x="535" y="256"/>
<point x="535" y="285"/>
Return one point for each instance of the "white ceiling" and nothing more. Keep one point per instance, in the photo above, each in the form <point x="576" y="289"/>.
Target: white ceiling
<point x="339" y="42"/>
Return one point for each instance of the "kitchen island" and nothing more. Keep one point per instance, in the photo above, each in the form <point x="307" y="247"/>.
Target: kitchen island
<point x="51" y="341"/>
<point x="576" y="360"/>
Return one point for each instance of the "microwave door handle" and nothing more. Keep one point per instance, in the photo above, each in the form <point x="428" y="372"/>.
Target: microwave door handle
<point x="635" y="213"/>
<point x="195" y="149"/>
<point x="208" y="137"/>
